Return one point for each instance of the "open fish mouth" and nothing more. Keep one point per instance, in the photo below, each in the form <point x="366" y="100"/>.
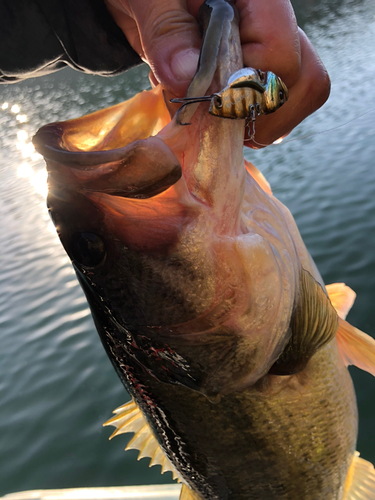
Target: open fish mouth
<point x="112" y="151"/>
<point x="168" y="230"/>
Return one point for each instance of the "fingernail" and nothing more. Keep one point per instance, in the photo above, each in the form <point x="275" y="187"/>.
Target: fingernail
<point x="184" y="64"/>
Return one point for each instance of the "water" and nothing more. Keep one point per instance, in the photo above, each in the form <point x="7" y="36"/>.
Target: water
<point x="57" y="386"/>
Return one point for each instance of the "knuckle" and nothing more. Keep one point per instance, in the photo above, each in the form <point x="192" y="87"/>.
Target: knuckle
<point x="168" y="23"/>
<point x="320" y="85"/>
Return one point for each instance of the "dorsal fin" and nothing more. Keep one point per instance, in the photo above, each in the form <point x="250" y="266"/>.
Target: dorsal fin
<point x="356" y="347"/>
<point x="313" y="324"/>
<point x="129" y="418"/>
<point x="360" y="481"/>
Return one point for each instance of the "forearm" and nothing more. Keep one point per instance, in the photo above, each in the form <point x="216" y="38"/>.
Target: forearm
<point x="42" y="36"/>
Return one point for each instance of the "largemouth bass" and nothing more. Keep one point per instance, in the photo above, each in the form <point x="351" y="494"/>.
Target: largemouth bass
<point x="205" y="298"/>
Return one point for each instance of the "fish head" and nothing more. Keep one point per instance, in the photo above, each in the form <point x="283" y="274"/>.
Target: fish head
<point x="189" y="266"/>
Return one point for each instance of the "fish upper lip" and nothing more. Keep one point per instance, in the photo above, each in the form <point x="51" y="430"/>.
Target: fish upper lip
<point x="142" y="169"/>
<point x="49" y="142"/>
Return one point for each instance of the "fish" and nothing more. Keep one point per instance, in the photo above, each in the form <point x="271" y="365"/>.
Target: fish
<point x="205" y="298"/>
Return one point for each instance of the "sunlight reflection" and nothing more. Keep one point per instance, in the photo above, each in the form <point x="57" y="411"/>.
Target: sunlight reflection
<point x="25" y="171"/>
<point x="79" y="314"/>
<point x="71" y="284"/>
<point x="27" y="148"/>
<point x="278" y="141"/>
<point x="36" y="176"/>
<point x="15" y="109"/>
<point x="22" y="135"/>
<point x="37" y="179"/>
<point x="36" y="156"/>
<point x="22" y="118"/>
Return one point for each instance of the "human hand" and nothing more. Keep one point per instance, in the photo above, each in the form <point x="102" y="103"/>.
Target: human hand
<point x="165" y="34"/>
<point x="271" y="40"/>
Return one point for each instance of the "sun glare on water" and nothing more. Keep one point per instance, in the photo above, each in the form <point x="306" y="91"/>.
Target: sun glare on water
<point x="15" y="109"/>
<point x="37" y="178"/>
<point x="21" y="118"/>
<point x="25" y="146"/>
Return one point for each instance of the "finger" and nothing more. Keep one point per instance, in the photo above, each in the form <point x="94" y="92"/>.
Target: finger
<point x="269" y="37"/>
<point x="169" y="39"/>
<point x="120" y="12"/>
<point x="152" y="79"/>
<point x="309" y="93"/>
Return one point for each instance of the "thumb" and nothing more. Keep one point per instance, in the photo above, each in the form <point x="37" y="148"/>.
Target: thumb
<point x="169" y="39"/>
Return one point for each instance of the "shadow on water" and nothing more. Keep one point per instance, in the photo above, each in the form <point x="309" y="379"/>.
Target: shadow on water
<point x="56" y="385"/>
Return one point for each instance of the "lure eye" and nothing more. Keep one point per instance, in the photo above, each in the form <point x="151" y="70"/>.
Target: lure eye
<point x="281" y="96"/>
<point x="262" y="76"/>
<point x="218" y="102"/>
<point x="88" y="249"/>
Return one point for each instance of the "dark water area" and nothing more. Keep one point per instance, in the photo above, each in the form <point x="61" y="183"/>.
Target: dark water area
<point x="57" y="386"/>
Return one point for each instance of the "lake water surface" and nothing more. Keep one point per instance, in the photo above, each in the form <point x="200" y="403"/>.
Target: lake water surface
<point x="57" y="386"/>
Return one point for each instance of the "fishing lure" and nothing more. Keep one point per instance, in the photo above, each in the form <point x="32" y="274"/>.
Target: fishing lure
<point x="248" y="94"/>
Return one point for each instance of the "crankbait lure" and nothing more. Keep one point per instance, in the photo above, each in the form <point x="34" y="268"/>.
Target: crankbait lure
<point x="248" y="94"/>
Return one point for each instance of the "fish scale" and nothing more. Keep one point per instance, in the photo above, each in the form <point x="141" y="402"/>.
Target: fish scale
<point x="263" y="427"/>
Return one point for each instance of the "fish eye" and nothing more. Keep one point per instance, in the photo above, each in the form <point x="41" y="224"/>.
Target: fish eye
<point x="218" y="102"/>
<point x="281" y="95"/>
<point x="88" y="249"/>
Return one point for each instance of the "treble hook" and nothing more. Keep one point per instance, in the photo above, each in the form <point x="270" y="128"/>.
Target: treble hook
<point x="189" y="100"/>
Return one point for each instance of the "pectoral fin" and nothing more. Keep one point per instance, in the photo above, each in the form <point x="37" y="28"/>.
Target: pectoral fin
<point x="356" y="347"/>
<point x="129" y="418"/>
<point x="360" y="482"/>
<point x="313" y="324"/>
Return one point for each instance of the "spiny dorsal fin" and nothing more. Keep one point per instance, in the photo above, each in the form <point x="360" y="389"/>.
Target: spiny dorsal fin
<point x="188" y="494"/>
<point x="313" y="324"/>
<point x="129" y="418"/>
<point x="360" y="482"/>
<point x="356" y="347"/>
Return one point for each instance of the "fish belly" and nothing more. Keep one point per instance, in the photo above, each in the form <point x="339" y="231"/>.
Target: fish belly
<point x="289" y="438"/>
